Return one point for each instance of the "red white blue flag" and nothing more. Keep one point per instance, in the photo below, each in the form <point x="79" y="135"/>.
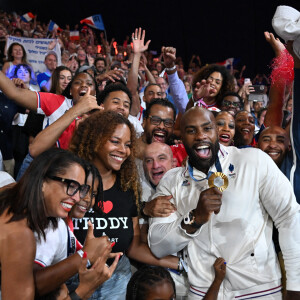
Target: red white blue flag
<point x="53" y="26"/>
<point x="229" y="62"/>
<point x="27" y="17"/>
<point x="94" y="22"/>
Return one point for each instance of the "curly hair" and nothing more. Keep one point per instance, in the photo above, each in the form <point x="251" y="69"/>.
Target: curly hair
<point x="94" y="132"/>
<point x="227" y="83"/>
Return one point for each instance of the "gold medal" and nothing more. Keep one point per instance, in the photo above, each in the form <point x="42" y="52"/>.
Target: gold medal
<point x="218" y="180"/>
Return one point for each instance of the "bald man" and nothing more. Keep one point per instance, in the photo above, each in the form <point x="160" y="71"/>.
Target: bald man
<point x="235" y="224"/>
<point x="275" y="142"/>
<point x="158" y="159"/>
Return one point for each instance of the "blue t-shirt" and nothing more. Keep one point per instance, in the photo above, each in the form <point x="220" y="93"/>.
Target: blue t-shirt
<point x="43" y="78"/>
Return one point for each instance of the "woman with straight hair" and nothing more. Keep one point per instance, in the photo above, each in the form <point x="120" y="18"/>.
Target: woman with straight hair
<point x="53" y="183"/>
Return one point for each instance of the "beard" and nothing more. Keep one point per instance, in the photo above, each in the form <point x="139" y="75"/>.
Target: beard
<point x="201" y="164"/>
<point x="150" y="136"/>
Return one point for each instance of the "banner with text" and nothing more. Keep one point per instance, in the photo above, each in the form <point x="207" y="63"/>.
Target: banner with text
<point x="36" y="49"/>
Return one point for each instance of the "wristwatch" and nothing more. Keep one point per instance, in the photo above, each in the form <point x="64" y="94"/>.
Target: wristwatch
<point x="189" y="219"/>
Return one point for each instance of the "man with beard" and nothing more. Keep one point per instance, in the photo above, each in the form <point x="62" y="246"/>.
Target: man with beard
<point x="235" y="224"/>
<point x="275" y="142"/>
<point x="158" y="124"/>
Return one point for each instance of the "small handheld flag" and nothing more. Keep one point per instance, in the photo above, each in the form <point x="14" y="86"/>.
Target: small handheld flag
<point x="74" y="35"/>
<point x="53" y="26"/>
<point x="27" y="17"/>
<point x="94" y="22"/>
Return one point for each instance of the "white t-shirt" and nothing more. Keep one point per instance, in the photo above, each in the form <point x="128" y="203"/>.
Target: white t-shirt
<point x="5" y="178"/>
<point x="54" y="248"/>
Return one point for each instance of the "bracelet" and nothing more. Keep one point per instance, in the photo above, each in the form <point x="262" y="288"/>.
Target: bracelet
<point x="171" y="69"/>
<point x="80" y="253"/>
<point x="74" y="296"/>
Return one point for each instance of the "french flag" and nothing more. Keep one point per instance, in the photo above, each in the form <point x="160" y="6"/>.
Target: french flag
<point x="27" y="17"/>
<point x="53" y="26"/>
<point x="94" y="22"/>
<point x="74" y="35"/>
<point x="229" y="62"/>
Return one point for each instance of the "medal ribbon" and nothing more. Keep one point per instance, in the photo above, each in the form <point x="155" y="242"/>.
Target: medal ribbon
<point x="217" y="165"/>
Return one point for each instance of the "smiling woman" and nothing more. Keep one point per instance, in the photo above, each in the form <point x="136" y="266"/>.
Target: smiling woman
<point x="108" y="140"/>
<point x="31" y="205"/>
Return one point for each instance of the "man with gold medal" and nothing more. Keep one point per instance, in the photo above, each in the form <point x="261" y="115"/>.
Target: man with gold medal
<point x="227" y="200"/>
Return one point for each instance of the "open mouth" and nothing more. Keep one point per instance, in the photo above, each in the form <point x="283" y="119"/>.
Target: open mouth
<point x="159" y="136"/>
<point x="225" y="138"/>
<point x="203" y="151"/>
<point x="157" y="174"/>
<point x="246" y="130"/>
<point x="82" y="92"/>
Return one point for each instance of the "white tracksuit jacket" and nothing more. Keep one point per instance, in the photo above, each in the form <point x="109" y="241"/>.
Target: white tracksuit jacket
<point x="241" y="233"/>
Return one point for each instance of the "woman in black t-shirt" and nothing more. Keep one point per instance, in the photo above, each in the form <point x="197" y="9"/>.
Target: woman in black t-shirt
<point x="108" y="140"/>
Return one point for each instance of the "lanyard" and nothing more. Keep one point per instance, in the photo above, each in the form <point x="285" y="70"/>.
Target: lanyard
<point x="203" y="104"/>
<point x="217" y="165"/>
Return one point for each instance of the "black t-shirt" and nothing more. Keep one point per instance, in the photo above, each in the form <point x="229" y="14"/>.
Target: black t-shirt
<point x="116" y="220"/>
<point x="33" y="124"/>
<point x="8" y="109"/>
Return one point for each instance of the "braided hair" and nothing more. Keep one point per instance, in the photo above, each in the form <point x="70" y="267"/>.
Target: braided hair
<point x="146" y="278"/>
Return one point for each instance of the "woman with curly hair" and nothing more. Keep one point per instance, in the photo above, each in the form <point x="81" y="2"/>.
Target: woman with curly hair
<point x="210" y="83"/>
<point x="108" y="140"/>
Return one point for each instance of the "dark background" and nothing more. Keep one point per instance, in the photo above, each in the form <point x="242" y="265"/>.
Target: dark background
<point x="214" y="30"/>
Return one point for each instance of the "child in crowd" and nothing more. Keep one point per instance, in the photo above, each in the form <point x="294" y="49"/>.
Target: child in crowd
<point x="151" y="282"/>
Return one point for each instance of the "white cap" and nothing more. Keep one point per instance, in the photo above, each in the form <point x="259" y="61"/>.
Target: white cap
<point x="286" y="22"/>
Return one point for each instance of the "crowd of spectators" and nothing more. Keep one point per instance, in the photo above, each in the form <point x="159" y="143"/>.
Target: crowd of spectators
<point x="124" y="161"/>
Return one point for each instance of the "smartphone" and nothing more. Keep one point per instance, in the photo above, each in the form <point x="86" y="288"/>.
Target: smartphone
<point x="247" y="81"/>
<point x="259" y="93"/>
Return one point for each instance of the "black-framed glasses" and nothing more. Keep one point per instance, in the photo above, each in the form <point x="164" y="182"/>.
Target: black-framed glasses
<point x="157" y="120"/>
<point x="229" y="103"/>
<point x="73" y="186"/>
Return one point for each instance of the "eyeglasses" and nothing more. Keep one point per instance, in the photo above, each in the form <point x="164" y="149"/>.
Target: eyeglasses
<point x="73" y="186"/>
<point x="157" y="120"/>
<point x="229" y="103"/>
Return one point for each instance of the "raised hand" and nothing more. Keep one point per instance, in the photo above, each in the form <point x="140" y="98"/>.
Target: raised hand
<point x="143" y="63"/>
<point x="86" y="103"/>
<point x="96" y="247"/>
<point x="169" y="56"/>
<point x="138" y="41"/>
<point x="202" y="90"/>
<point x="110" y="75"/>
<point x="90" y="59"/>
<point x="274" y="42"/>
